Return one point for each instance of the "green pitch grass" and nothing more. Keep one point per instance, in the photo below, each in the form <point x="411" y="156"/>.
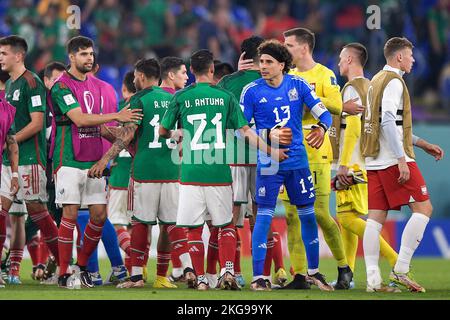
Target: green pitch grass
<point x="433" y="274"/>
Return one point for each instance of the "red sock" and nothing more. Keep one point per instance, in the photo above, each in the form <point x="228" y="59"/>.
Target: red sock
<point x="237" y="257"/>
<point x="197" y="250"/>
<point x="227" y="245"/>
<point x="124" y="239"/>
<point x="33" y="249"/>
<point x="16" y="256"/>
<point x="162" y="263"/>
<point x="79" y="237"/>
<point x="127" y="261"/>
<point x="213" y="251"/>
<point x="43" y="251"/>
<point x="139" y="242"/>
<point x="65" y="243"/>
<point x="91" y="238"/>
<point x="49" y="231"/>
<point x="269" y="255"/>
<point x="277" y="251"/>
<point x="178" y="240"/>
<point x="3" y="215"/>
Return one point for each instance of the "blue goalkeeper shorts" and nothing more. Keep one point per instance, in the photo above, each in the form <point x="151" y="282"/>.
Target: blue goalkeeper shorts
<point x="298" y="184"/>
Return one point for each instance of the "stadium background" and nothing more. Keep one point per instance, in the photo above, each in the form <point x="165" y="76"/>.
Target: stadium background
<point x="126" y="30"/>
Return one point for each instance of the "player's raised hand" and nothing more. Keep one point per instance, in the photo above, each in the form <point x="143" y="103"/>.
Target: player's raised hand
<point x="129" y="115"/>
<point x="316" y="137"/>
<point x="244" y="64"/>
<point x="352" y="108"/>
<point x="96" y="171"/>
<point x="281" y="136"/>
<point x="434" y="150"/>
<point x="404" y="171"/>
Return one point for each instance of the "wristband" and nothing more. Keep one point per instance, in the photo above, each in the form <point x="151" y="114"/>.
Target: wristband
<point x="15" y="175"/>
<point x="323" y="125"/>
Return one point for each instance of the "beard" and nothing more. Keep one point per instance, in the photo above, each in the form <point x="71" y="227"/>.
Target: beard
<point x="83" y="68"/>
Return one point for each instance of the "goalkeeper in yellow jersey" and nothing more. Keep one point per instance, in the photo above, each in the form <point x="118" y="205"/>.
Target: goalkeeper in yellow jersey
<point x="300" y="43"/>
<point x="351" y="198"/>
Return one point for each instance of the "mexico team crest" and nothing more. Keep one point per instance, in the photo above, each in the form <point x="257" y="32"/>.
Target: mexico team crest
<point x="293" y="95"/>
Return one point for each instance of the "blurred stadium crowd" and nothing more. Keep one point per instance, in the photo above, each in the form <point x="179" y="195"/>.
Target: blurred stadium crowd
<point x="126" y="30"/>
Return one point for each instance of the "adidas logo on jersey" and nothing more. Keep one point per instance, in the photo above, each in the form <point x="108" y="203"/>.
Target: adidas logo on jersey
<point x="263" y="100"/>
<point x="311" y="195"/>
<point x="262" y="192"/>
<point x="316" y="240"/>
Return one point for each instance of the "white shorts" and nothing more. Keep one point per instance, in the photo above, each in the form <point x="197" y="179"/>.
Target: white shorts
<point x="32" y="182"/>
<point x="17" y="209"/>
<point x="117" y="207"/>
<point x="154" y="200"/>
<point x="196" y="201"/>
<point x="73" y="186"/>
<point x="244" y="182"/>
<point x="245" y="211"/>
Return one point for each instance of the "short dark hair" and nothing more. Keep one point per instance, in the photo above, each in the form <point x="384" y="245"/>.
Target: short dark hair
<point x="128" y="82"/>
<point x="360" y="50"/>
<point x="201" y="60"/>
<point x="278" y="51"/>
<point x="395" y="44"/>
<point x="149" y="67"/>
<point x="170" y="64"/>
<point x="55" y="65"/>
<point x="17" y="43"/>
<point x="302" y="35"/>
<point x="222" y="69"/>
<point x="4" y="76"/>
<point x="250" y="47"/>
<point x="79" y="42"/>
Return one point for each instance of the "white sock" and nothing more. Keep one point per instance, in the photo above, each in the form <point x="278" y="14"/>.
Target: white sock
<point x="312" y="271"/>
<point x="371" y="245"/>
<point x="177" y="272"/>
<point x="136" y="271"/>
<point x="411" y="237"/>
<point x="186" y="261"/>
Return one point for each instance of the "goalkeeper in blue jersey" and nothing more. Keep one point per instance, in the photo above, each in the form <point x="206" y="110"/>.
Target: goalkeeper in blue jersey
<point x="275" y="102"/>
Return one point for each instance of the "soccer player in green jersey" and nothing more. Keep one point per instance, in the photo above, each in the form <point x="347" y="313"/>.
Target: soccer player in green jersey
<point x="205" y="111"/>
<point x="26" y="92"/>
<point x="154" y="176"/>
<point x="173" y="77"/>
<point x="76" y="102"/>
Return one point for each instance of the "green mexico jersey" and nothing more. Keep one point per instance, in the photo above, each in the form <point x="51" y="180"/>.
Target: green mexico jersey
<point x="204" y="112"/>
<point x="63" y="101"/>
<point x="156" y="158"/>
<point x="27" y="94"/>
<point x="239" y="151"/>
<point x="120" y="172"/>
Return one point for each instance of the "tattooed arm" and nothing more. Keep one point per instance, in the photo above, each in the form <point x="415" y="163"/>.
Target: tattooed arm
<point x="124" y="137"/>
<point x="110" y="133"/>
<point x="13" y="156"/>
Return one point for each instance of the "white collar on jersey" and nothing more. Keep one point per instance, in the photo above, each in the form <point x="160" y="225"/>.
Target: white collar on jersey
<point x="397" y="71"/>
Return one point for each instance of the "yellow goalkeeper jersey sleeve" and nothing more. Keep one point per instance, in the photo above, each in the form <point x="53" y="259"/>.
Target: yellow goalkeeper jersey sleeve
<point x="323" y="81"/>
